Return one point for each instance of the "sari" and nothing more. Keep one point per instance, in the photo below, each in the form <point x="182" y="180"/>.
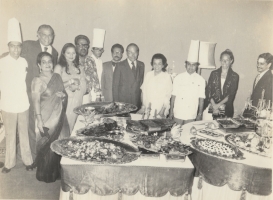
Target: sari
<point x="53" y="110"/>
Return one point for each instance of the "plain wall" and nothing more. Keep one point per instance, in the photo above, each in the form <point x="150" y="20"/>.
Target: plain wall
<point x="156" y="26"/>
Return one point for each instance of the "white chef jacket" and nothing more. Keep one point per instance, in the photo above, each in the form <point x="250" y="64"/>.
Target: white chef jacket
<point x="157" y="90"/>
<point x="98" y="62"/>
<point x="13" y="89"/>
<point x="187" y="89"/>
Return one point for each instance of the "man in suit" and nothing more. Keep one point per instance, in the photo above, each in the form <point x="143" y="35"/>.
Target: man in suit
<point x="263" y="82"/>
<point x="128" y="77"/>
<point x="108" y="71"/>
<point x="30" y="51"/>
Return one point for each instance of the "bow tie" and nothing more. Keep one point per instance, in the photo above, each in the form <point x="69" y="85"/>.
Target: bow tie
<point x="114" y="64"/>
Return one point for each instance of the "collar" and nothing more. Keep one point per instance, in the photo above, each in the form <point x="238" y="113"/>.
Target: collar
<point x="261" y="74"/>
<point x="94" y="57"/>
<point x="12" y="59"/>
<point x="49" y="50"/>
<point x="130" y="63"/>
<point x="191" y="75"/>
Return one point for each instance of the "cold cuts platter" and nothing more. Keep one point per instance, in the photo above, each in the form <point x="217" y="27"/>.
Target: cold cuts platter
<point x="229" y="123"/>
<point x="217" y="148"/>
<point x="106" y="109"/>
<point x="250" y="142"/>
<point x="149" y="125"/>
<point x="95" y="150"/>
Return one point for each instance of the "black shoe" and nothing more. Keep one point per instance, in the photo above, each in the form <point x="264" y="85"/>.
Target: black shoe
<point x="29" y="167"/>
<point x="5" y="170"/>
<point x="1" y="164"/>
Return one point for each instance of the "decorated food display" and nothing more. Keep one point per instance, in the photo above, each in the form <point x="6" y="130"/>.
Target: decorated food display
<point x="217" y="148"/>
<point x="209" y="132"/>
<point x="248" y="123"/>
<point x="96" y="150"/>
<point x="249" y="142"/>
<point x="149" y="125"/>
<point x="160" y="144"/>
<point x="228" y="123"/>
<point x="105" y="108"/>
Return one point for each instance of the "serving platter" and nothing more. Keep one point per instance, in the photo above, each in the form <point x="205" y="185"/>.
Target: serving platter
<point x="107" y="109"/>
<point x="95" y="150"/>
<point x="149" y="125"/>
<point x="229" y="123"/>
<point x="248" y="123"/>
<point x="249" y="142"/>
<point x="217" y="148"/>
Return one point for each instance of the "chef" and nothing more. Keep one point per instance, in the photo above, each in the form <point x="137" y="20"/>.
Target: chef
<point x="14" y="100"/>
<point x="188" y="90"/>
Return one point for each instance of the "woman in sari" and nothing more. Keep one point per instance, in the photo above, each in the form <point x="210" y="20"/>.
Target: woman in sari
<point x="50" y="101"/>
<point x="156" y="89"/>
<point x="74" y="81"/>
<point x="221" y="89"/>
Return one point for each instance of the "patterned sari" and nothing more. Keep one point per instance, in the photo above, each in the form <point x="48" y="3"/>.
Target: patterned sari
<point x="53" y="110"/>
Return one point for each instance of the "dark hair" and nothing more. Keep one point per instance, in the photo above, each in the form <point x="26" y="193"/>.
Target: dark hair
<point x="228" y="52"/>
<point x="45" y="26"/>
<point x="62" y="60"/>
<point x="268" y="58"/>
<point x="41" y="55"/>
<point x="132" y="44"/>
<point x="117" y="46"/>
<point x="77" y="38"/>
<point x="163" y="58"/>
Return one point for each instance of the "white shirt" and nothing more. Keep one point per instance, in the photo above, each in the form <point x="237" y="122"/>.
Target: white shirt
<point x="49" y="48"/>
<point x="259" y="76"/>
<point x="98" y="62"/>
<point x="187" y="89"/>
<point x="157" y="90"/>
<point x="130" y="63"/>
<point x="13" y="89"/>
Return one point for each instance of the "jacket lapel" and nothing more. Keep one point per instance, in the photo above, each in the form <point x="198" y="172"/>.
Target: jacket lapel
<point x="228" y="80"/>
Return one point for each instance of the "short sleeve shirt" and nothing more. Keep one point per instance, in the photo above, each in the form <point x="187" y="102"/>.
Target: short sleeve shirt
<point x="187" y="89"/>
<point x="14" y="97"/>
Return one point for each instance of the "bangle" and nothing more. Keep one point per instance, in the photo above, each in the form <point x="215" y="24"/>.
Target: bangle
<point x="200" y="113"/>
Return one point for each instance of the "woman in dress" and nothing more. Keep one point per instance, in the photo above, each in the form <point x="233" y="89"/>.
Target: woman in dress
<point x="74" y="80"/>
<point x="221" y="88"/>
<point x="156" y="89"/>
<point x="50" y="101"/>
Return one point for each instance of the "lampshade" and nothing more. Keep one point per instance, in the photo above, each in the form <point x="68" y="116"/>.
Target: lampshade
<point x="206" y="55"/>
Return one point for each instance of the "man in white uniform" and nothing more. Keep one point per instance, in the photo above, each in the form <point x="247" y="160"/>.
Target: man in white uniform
<point x="14" y="99"/>
<point x="188" y="92"/>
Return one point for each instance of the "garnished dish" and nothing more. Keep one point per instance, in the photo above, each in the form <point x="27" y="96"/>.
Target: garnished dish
<point x="229" y="123"/>
<point x="217" y="148"/>
<point x="250" y="142"/>
<point x="209" y="132"/>
<point x="248" y="123"/>
<point x="96" y="150"/>
<point x="101" y="129"/>
<point x="160" y="144"/>
<point x="149" y="125"/>
<point x="105" y="108"/>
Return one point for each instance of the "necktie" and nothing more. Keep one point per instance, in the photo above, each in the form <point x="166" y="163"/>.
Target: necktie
<point x="45" y="49"/>
<point x="114" y="64"/>
<point x="134" y="68"/>
<point x="257" y="80"/>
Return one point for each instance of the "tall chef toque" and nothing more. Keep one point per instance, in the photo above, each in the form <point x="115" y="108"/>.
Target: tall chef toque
<point x="98" y="38"/>
<point x="14" y="31"/>
<point x="203" y="53"/>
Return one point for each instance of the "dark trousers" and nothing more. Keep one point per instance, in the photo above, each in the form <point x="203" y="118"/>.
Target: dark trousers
<point x="31" y="128"/>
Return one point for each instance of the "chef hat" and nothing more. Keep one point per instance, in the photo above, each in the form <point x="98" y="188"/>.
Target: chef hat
<point x="98" y="37"/>
<point x="193" y="54"/>
<point x="206" y="55"/>
<point x="14" y="32"/>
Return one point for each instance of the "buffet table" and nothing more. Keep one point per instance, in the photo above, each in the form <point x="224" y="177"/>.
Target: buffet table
<point x="220" y="178"/>
<point x="140" y="179"/>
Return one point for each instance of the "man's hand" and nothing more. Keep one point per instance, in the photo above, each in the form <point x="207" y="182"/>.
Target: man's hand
<point x="171" y="115"/>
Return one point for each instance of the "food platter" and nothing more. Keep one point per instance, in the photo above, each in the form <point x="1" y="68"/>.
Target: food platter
<point x="229" y="123"/>
<point x="149" y="125"/>
<point x="217" y="148"/>
<point x="209" y="132"/>
<point x="249" y="142"/>
<point x="160" y="144"/>
<point x="107" y="109"/>
<point x="95" y="150"/>
<point x="248" y="123"/>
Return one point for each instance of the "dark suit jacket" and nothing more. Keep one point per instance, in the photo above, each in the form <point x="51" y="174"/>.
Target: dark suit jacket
<point x="106" y="81"/>
<point x="30" y="51"/>
<point x="126" y="87"/>
<point x="265" y="83"/>
<point x="214" y="91"/>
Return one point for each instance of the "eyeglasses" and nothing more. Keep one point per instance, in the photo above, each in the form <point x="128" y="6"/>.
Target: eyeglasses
<point x="98" y="49"/>
<point x="86" y="46"/>
<point x="44" y="35"/>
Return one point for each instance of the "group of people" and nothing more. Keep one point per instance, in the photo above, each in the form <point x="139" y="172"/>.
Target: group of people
<point x="39" y="90"/>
